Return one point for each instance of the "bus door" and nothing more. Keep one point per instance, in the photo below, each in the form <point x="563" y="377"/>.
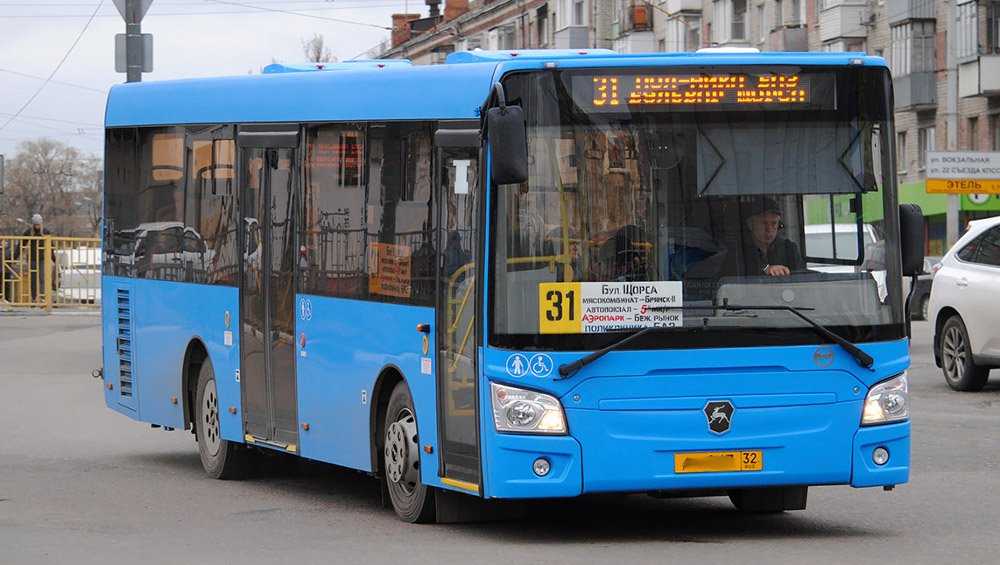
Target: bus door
<point x="267" y="289"/>
<point x="458" y="306"/>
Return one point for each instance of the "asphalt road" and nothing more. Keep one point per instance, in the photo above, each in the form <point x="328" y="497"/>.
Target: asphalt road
<point x="80" y="484"/>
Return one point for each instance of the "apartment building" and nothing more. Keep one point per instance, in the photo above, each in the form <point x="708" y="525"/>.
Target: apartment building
<point x="944" y="56"/>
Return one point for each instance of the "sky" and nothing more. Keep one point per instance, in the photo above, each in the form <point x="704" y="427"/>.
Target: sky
<point x="191" y="38"/>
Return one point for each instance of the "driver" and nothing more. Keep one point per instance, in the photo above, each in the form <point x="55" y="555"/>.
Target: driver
<point x="764" y="252"/>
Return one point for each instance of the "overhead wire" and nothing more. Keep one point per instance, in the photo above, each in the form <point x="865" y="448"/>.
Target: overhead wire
<point x="55" y="70"/>
<point x="64" y="83"/>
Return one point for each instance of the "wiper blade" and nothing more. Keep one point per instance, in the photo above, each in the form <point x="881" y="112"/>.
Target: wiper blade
<point x="860" y="356"/>
<point x="567" y="370"/>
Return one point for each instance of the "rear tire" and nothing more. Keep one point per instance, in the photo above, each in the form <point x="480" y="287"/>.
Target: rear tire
<point x="769" y="500"/>
<point x="221" y="459"/>
<point x="412" y="500"/>
<point x="960" y="372"/>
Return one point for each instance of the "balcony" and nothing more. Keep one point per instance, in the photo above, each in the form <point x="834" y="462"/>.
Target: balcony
<point x="843" y="18"/>
<point x="789" y="39"/>
<point x="902" y="10"/>
<point x="572" y="37"/>
<point x="675" y="6"/>
<point x="979" y="77"/>
<point x="915" y="91"/>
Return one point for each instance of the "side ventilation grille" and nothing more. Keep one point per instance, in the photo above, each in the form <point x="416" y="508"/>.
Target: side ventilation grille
<point x="124" y="303"/>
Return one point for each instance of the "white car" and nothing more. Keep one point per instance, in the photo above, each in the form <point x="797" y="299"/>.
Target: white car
<point x="820" y="239"/>
<point x="964" y="307"/>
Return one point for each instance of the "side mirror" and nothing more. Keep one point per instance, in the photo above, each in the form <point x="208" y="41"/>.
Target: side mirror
<point x="911" y="238"/>
<point x="508" y="139"/>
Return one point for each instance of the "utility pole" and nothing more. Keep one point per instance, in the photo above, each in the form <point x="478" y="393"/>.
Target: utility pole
<point x="133" y="49"/>
<point x="951" y="122"/>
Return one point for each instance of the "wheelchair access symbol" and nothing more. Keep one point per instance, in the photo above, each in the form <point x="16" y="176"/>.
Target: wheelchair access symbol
<point x="540" y="365"/>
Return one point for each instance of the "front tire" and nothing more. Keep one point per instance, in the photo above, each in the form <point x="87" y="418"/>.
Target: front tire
<point x="412" y="500"/>
<point x="221" y="459"/>
<point x="960" y="372"/>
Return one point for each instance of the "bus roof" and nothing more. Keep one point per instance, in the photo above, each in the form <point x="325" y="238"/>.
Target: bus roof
<point x="371" y="91"/>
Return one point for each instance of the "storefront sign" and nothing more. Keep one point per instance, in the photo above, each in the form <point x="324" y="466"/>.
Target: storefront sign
<point x="963" y="172"/>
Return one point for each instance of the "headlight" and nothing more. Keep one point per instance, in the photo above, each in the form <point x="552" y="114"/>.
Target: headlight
<point x="888" y="401"/>
<point x="526" y="411"/>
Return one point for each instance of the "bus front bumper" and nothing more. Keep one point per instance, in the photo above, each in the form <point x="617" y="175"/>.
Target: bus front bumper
<point x="635" y="452"/>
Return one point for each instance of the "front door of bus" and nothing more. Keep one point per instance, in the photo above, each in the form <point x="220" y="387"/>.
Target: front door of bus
<point x="267" y="323"/>
<point x="458" y="316"/>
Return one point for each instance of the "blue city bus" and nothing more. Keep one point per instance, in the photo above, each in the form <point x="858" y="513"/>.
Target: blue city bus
<point x="519" y="275"/>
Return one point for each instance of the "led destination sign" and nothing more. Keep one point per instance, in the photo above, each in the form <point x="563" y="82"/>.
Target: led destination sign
<point x="704" y="91"/>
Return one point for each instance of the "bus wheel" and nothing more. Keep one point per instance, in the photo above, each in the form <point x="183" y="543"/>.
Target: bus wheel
<point x="412" y="501"/>
<point x="769" y="500"/>
<point x="221" y="459"/>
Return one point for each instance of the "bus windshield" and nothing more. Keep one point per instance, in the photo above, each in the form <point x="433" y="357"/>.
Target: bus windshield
<point x="677" y="187"/>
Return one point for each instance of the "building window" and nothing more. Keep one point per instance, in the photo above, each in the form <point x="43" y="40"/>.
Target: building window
<point x="692" y="39"/>
<point x="729" y="20"/>
<point x="973" y="130"/>
<point x="762" y="23"/>
<point x="926" y="140"/>
<point x="739" y="19"/>
<point x="911" y="47"/>
<point x="966" y="32"/>
<point x="993" y="27"/>
<point x="798" y="9"/>
<point x="778" y="14"/>
<point x="578" y="12"/>
<point x="901" y="152"/>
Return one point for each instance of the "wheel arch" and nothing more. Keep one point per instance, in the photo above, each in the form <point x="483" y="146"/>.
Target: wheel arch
<point x="388" y="378"/>
<point x="194" y="357"/>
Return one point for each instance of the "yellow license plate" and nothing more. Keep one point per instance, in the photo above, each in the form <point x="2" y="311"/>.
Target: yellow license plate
<point x="718" y="461"/>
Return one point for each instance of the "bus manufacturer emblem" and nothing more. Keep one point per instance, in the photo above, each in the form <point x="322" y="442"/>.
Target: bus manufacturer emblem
<point x="823" y="357"/>
<point x="719" y="414"/>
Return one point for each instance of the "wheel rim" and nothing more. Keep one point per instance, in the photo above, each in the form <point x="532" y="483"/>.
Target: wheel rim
<point x="954" y="354"/>
<point x="210" y="419"/>
<point x="401" y="452"/>
<point x="924" y="308"/>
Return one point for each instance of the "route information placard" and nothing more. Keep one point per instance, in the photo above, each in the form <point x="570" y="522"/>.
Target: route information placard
<point x="597" y="307"/>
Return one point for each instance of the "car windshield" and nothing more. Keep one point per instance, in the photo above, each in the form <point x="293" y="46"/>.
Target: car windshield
<point x="631" y="210"/>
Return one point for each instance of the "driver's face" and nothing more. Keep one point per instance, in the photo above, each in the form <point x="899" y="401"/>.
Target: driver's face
<point x="764" y="227"/>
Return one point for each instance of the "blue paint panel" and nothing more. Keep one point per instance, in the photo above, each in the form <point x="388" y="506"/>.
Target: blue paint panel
<point x="396" y="92"/>
<point x="896" y="471"/>
<point x="631" y="411"/>
<point x="166" y="317"/>
<point x="348" y="344"/>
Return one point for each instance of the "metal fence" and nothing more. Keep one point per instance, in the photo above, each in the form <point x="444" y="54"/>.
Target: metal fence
<point x="50" y="272"/>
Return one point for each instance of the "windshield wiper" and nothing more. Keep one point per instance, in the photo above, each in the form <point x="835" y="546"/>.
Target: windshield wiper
<point x="860" y="356"/>
<point x="567" y="370"/>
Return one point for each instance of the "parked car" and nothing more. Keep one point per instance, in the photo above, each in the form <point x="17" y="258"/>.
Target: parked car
<point x="820" y="240"/>
<point x="78" y="278"/>
<point x="964" y="309"/>
<point x="921" y="299"/>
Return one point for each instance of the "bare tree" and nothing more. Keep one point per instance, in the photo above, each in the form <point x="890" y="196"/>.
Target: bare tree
<point x="55" y="180"/>
<point x="316" y="51"/>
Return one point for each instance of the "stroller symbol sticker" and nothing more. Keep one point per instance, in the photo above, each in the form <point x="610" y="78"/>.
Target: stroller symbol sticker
<point x="517" y="365"/>
<point x="540" y="365"/>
